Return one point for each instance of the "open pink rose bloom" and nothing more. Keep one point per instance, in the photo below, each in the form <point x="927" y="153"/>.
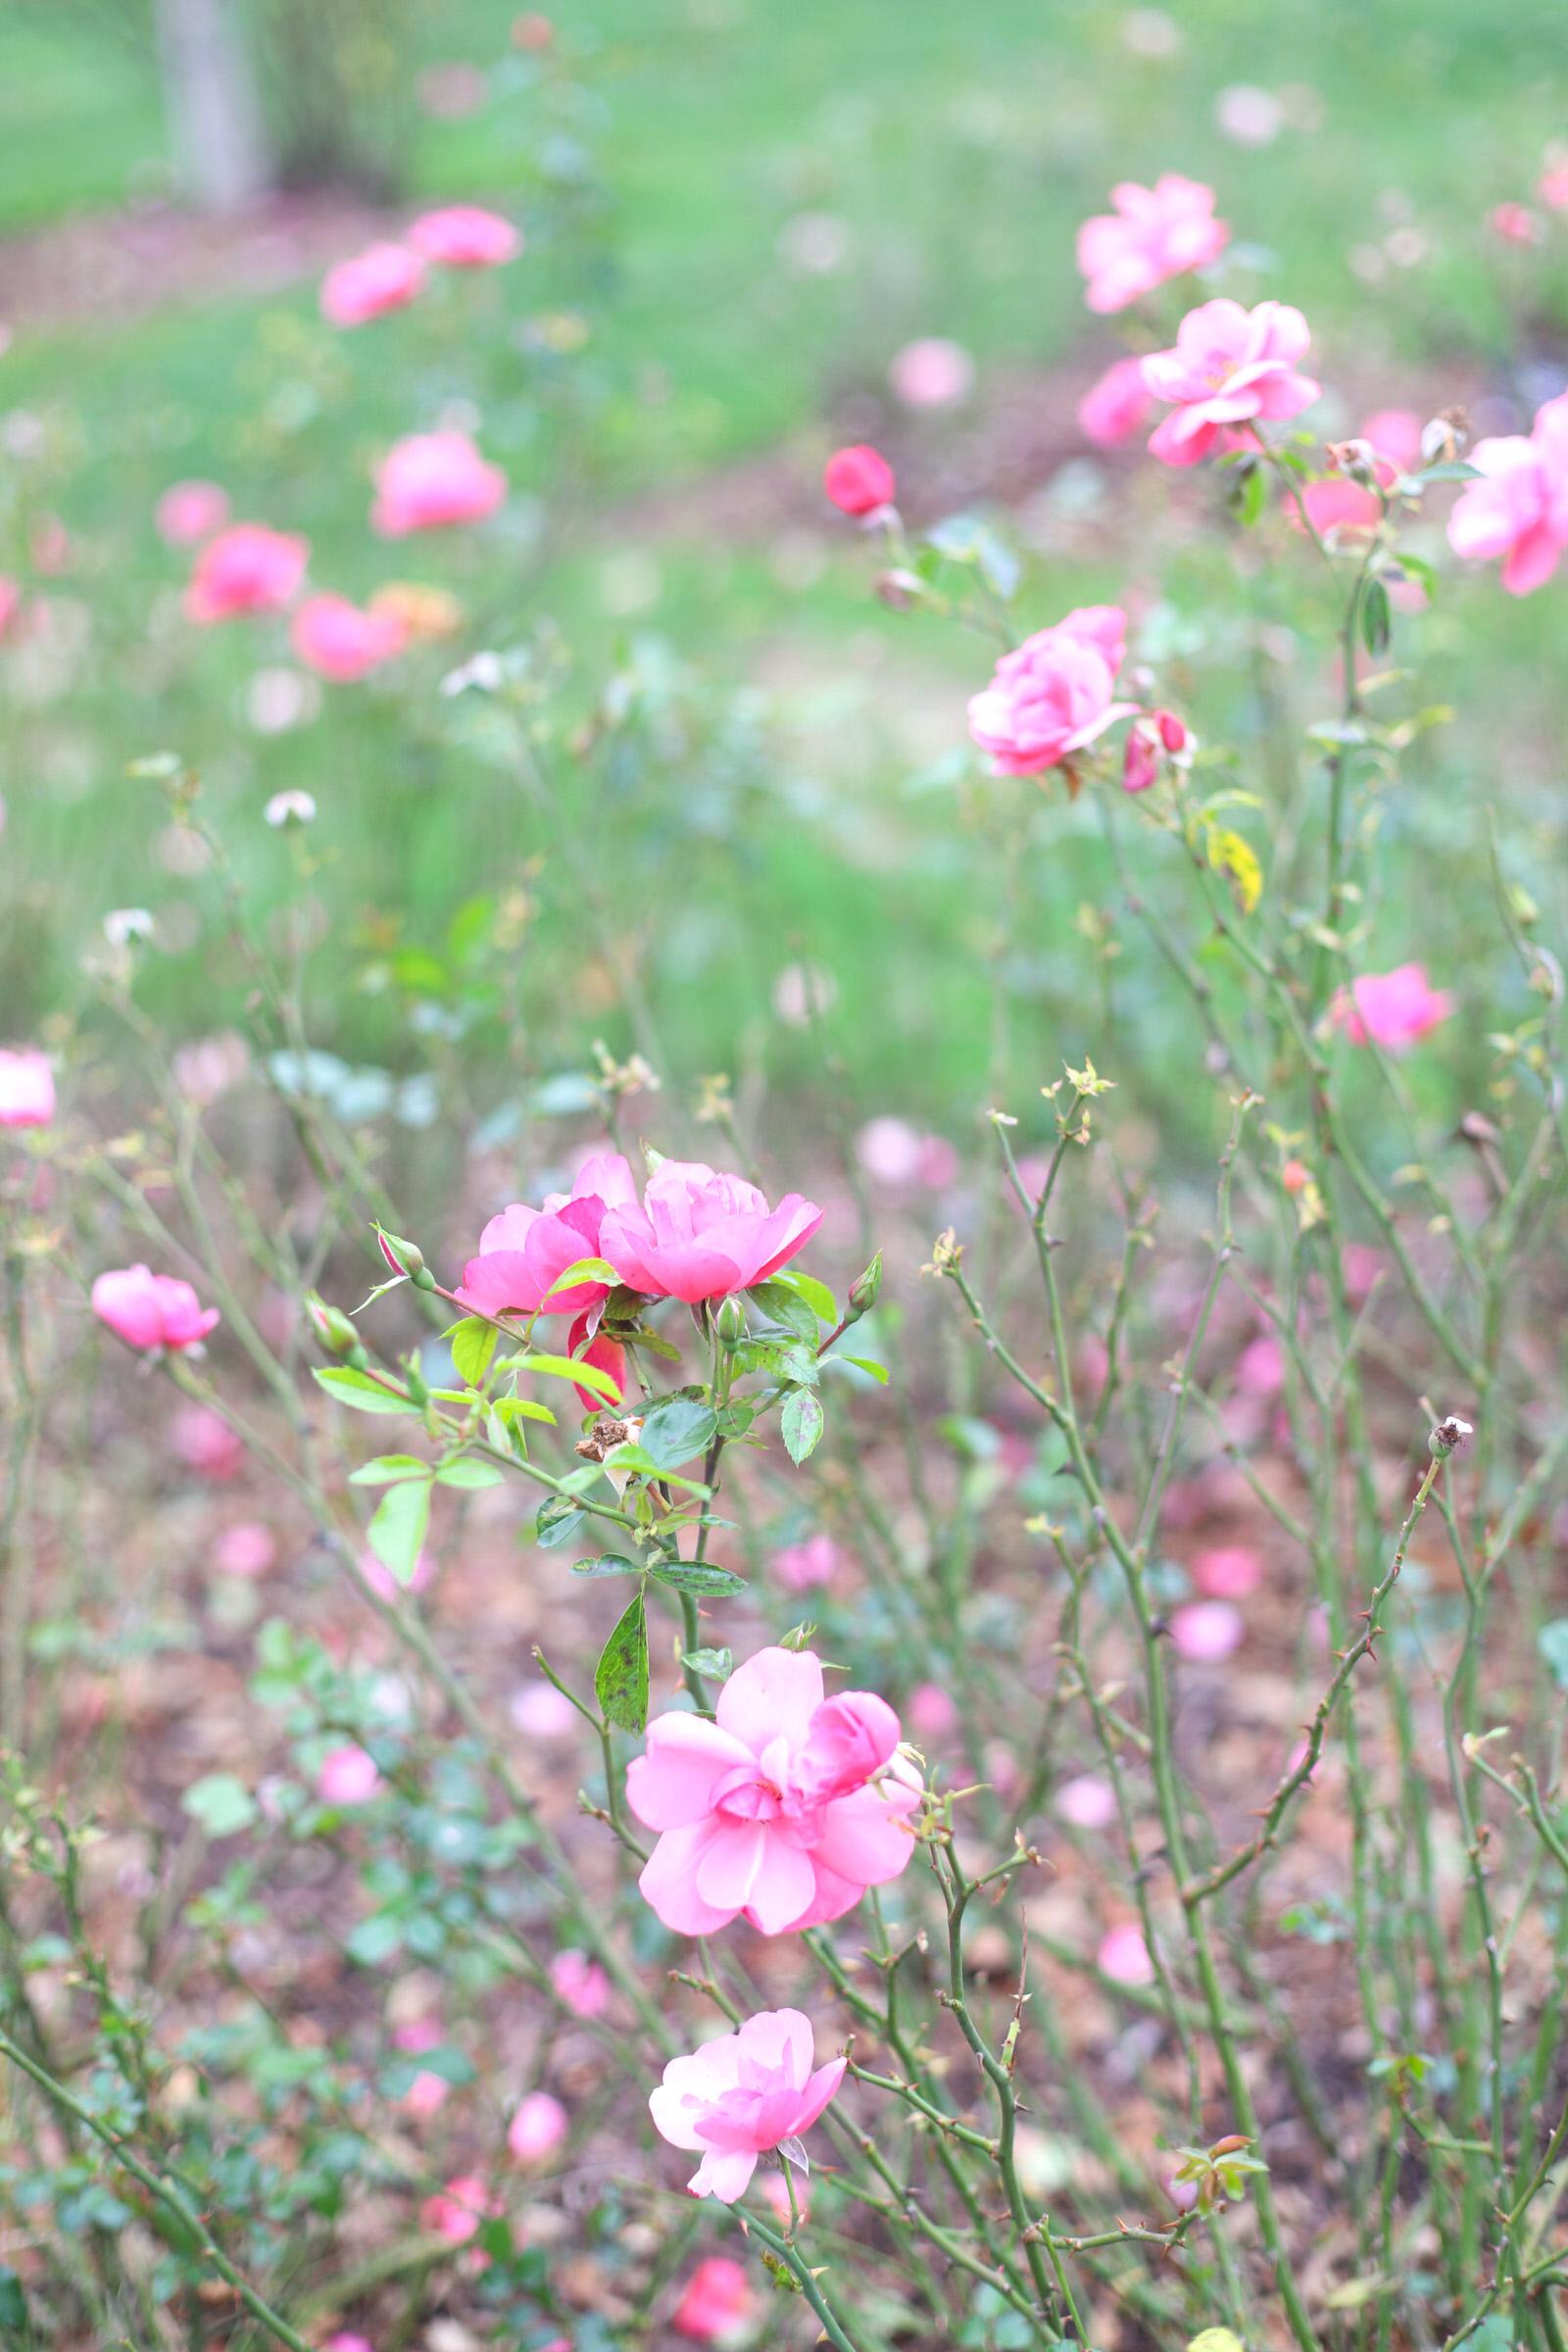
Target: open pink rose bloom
<point x="151" y="1311"/>
<point x="787" y="1807"/>
<point x="702" y="1232"/>
<point x="464" y="236"/>
<point x="383" y="278"/>
<point x="523" y="1251"/>
<point x="1153" y="235"/>
<point x="1520" y="510"/>
<point x="741" y="2095"/>
<point x="1228" y="366"/>
<point x="429" y="482"/>
<point x="247" y="570"/>
<point x="1054" y="694"/>
<point x="341" y="642"/>
<point x="1394" y="1010"/>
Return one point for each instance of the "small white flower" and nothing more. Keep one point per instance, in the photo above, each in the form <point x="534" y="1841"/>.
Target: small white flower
<point x="126" y="924"/>
<point x="290" y="809"/>
<point x="482" y="671"/>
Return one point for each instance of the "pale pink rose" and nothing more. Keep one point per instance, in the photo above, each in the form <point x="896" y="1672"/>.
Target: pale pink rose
<point x="1088" y="1802"/>
<point x="1516" y="224"/>
<point x="246" y="1547"/>
<point x="1520" y="510"/>
<point x="800" y="1566"/>
<point x="933" y="1712"/>
<point x="580" y="1984"/>
<point x="859" y="479"/>
<point x="1002" y="1768"/>
<point x="702" y="1232"/>
<point x="1206" y="1630"/>
<point x="456" y="2211"/>
<point x="1153" y="235"/>
<point x="1395" y="434"/>
<point x="1360" y="1265"/>
<point x="1392" y="1008"/>
<point x="718" y="2305"/>
<point x="431" y="480"/>
<point x="538" y="2127"/>
<point x="205" y="1442"/>
<point x="1118" y="407"/>
<point x="247" y="570"/>
<point x="544" y="1712"/>
<point x="26" y="1089"/>
<point x="10" y="605"/>
<point x="523" y="1251"/>
<point x="938" y="1164"/>
<point x="1553" y="188"/>
<point x="1227" y="1573"/>
<point x="1260" y="1367"/>
<point x="787" y="1807"/>
<point x="347" y="1776"/>
<point x="1123" y="1956"/>
<point x="189" y="511"/>
<point x="932" y="373"/>
<point x="742" y="2094"/>
<point x="889" y="1150"/>
<point x="151" y="1311"/>
<point x="1227" y="365"/>
<point x="383" y="278"/>
<point x="340" y="641"/>
<point x="384" y="1584"/>
<point x="464" y="236"/>
<point x="1053" y="695"/>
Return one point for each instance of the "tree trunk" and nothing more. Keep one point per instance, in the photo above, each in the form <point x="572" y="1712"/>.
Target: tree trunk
<point x="215" y="116"/>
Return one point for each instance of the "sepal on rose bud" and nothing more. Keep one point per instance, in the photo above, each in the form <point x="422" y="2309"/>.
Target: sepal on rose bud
<point x="334" y="1331"/>
<point x="730" y="1322"/>
<point x="863" y="1291"/>
<point x="406" y="1257"/>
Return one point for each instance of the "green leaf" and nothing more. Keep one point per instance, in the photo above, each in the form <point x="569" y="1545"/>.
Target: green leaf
<point x="672" y="1434"/>
<point x="563" y="1367"/>
<point x="1376" y="618"/>
<point x="1251" y="494"/>
<point x="800" y="1423"/>
<point x="816" y="1293"/>
<point x="374" y="1939"/>
<point x="633" y="1458"/>
<point x="699" y="1577"/>
<point x="556" y="1522"/>
<point x="468" y="1474"/>
<point x="13" y="2301"/>
<point x="734" y="1420"/>
<point x="473" y="1343"/>
<point x="717" y="1664"/>
<point x="523" y="1408"/>
<point x="1455" y="470"/>
<point x="398" y="1527"/>
<point x="792" y="1364"/>
<point x="585" y="1269"/>
<point x="388" y="1467"/>
<point x="866" y="1363"/>
<point x="610" y="1565"/>
<point x="359" y="1390"/>
<point x="1552" y="1643"/>
<point x="220" y="1803"/>
<point x="787" y="1308"/>
<point x="621" y="1679"/>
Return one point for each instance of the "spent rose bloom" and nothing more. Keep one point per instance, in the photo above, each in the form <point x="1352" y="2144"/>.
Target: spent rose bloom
<point x="464" y="236"/>
<point x="26" y="1088"/>
<point x="719" y="2301"/>
<point x="430" y="481"/>
<point x="1118" y="405"/>
<point x="189" y="511"/>
<point x="247" y="570"/>
<point x="1394" y="1010"/>
<point x="742" y="2094"/>
<point x="340" y="641"/>
<point x="702" y="1232"/>
<point x="1520" y="510"/>
<point x="151" y="1311"/>
<point x="538" y="2127"/>
<point x="1054" y="693"/>
<point x="523" y="1251"/>
<point x="1153" y="235"/>
<point x="383" y="278"/>
<point x="787" y="1807"/>
<point x="1227" y="366"/>
<point x="859" y="479"/>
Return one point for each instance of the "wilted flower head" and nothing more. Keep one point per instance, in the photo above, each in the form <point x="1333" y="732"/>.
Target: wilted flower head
<point x="742" y="2094"/>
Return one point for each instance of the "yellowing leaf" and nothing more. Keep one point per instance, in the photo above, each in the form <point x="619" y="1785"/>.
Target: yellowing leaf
<point x="1229" y="855"/>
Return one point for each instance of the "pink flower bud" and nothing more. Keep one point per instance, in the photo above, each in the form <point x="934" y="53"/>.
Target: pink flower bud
<point x="456" y="2211"/>
<point x="1141" y="760"/>
<point x="538" y="2127"/>
<point x="1172" y="733"/>
<point x="580" y="1984"/>
<point x="347" y="1776"/>
<point x="859" y="479"/>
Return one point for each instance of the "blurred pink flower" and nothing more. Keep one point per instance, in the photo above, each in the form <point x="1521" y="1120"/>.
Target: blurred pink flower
<point x="384" y="1584"/>
<point x="205" y="1442"/>
<point x="1395" y="434"/>
<point x="1260" y="1367"/>
<point x="1228" y="364"/>
<point x="1516" y="224"/>
<point x="1123" y="1956"/>
<point x="345" y="2340"/>
<point x="580" y="1984"/>
<point x="341" y="642"/>
<point x="719" y="2302"/>
<point x="1520" y="510"/>
<point x="247" y="570"/>
<point x="464" y="236"/>
<point x="859" y="479"/>
<point x="383" y="278"/>
<point x="787" y="1807"/>
<point x="607" y="1356"/>
<point x="538" y="2127"/>
<point x="26" y="1088"/>
<point x="1553" y="188"/>
<point x="189" y="511"/>
<point x="1054" y="693"/>
<point x="1088" y="1802"/>
<point x="932" y="1712"/>
<point x="1206" y="1630"/>
<point x="932" y="372"/>
<point x="523" y="1251"/>
<point x="456" y="2211"/>
<point x="702" y="1232"/>
<point x="800" y="1566"/>
<point x="431" y="480"/>
<point x="742" y="2094"/>
<point x="347" y="1776"/>
<point x="10" y="606"/>
<point x="1116" y="407"/>
<point x="151" y="1311"/>
<point x="1339" y="503"/>
<point x="1153" y="235"/>
<point x="889" y="1150"/>
<point x="1360" y="1265"/>
<point x="423" y="2033"/>
<point x="245" y="1547"/>
<point x="1392" y="1008"/>
<point x="544" y="1712"/>
<point x="1228" y="1573"/>
<point x="425" y="2093"/>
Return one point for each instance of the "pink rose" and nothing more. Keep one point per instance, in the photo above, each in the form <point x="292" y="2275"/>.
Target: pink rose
<point x="1154" y="234"/>
<point x="246" y="1547"/>
<point x="933" y="1711"/>
<point x="1392" y="1008"/>
<point x="538" y="2127"/>
<point x="189" y="511"/>
<point x="347" y="1776"/>
<point x="1520" y="511"/>
<point x="1116" y="407"/>
<point x="1123" y="1956"/>
<point x="858" y="480"/>
<point x="456" y="2211"/>
<point x="932" y="372"/>
<point x="1053" y="695"/>
<point x="205" y="1442"/>
<point x="741" y="2095"/>
<point x="1395" y="434"/>
<point x="544" y="1712"/>
<point x="719" y="2302"/>
<point x="607" y="1356"/>
<point x="1228" y="1573"/>
<point x="247" y="570"/>
<point x="345" y="2340"/>
<point x="787" y="1808"/>
<point x="1516" y="224"/>
<point x="1206" y="1630"/>
<point x="1553" y="188"/>
<point x="10" y="607"/>
<point x="1228" y="366"/>
<point x="1087" y="1802"/>
<point x="26" y="1089"/>
<point x="580" y="1984"/>
<point x="523" y="1251"/>
<point x="464" y="236"/>
<point x="384" y="278"/>
<point x="431" y="480"/>
<point x="702" y="1232"/>
<point x="151" y="1311"/>
<point x="1260" y="1367"/>
<point x="339" y="641"/>
<point x="425" y="2095"/>
<point x="800" y="1566"/>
